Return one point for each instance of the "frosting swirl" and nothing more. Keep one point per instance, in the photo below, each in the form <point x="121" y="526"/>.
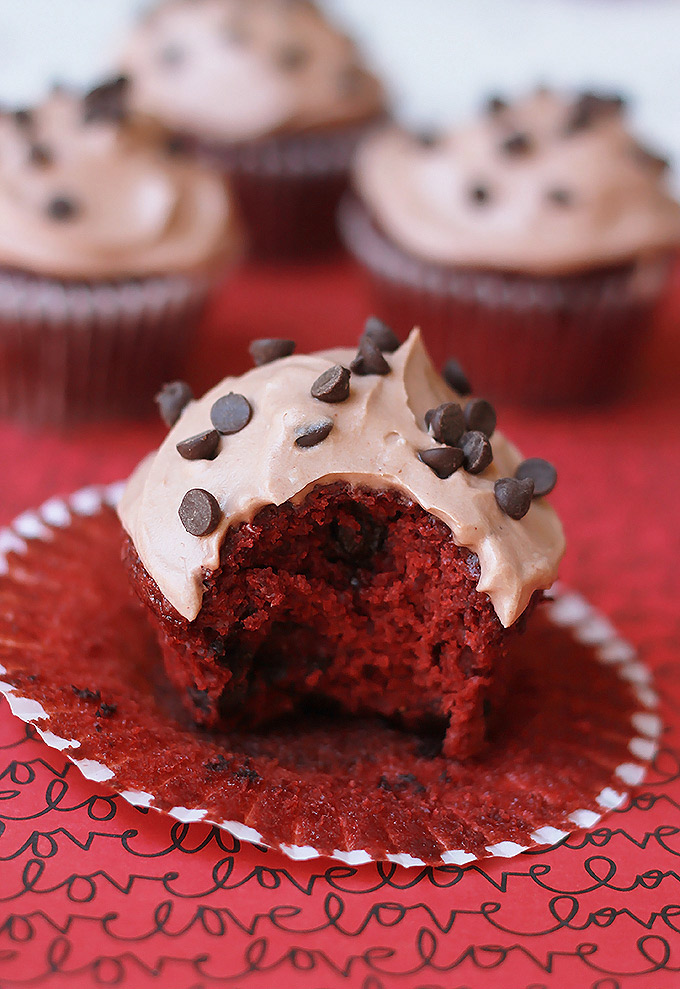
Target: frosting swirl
<point x="547" y="185"/>
<point x="374" y="441"/>
<point x="237" y="70"/>
<point x="86" y="192"/>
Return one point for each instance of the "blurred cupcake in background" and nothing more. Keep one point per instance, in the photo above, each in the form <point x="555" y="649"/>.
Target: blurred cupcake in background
<point x="108" y="249"/>
<point x="270" y="93"/>
<point x="534" y="244"/>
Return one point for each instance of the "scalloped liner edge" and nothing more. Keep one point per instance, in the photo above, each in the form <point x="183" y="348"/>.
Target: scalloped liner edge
<point x="568" y="609"/>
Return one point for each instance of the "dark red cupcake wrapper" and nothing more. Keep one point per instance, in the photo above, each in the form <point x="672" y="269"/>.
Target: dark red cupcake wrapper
<point x="80" y="662"/>
<point x="287" y="186"/>
<point x="521" y="338"/>
<point x="79" y="351"/>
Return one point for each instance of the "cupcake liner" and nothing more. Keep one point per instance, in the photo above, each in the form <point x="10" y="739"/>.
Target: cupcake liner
<point x="287" y="187"/>
<point x="525" y="339"/>
<point x="77" y="351"/>
<point x="79" y="661"/>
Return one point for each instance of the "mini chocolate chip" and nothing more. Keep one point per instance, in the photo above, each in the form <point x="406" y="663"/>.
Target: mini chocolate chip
<point x="199" y="512"/>
<point x="203" y="446"/>
<point x="514" y="496"/>
<point x="230" y="413"/>
<point x="22" y="117"/>
<point x="176" y="145"/>
<point x="85" y="694"/>
<point x="292" y="57"/>
<point x="106" y="710"/>
<point x="455" y="377"/>
<point x="591" y="106"/>
<point x="480" y="194"/>
<point x="541" y="472"/>
<point x="107" y="102"/>
<point x="314" y="433"/>
<point x="270" y="349"/>
<point x="477" y="451"/>
<point x="172" y="399"/>
<point x="332" y="385"/>
<point x="446" y="423"/>
<point x="559" y="197"/>
<point x="480" y="415"/>
<point x="40" y="155"/>
<point x="382" y="335"/>
<point x="171" y="55"/>
<point x="62" y="208"/>
<point x="369" y="359"/>
<point x="517" y="144"/>
<point x="443" y="460"/>
<point x="427" y="138"/>
<point x="496" y="104"/>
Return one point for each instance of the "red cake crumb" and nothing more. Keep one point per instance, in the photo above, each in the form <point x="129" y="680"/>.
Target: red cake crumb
<point x="354" y="598"/>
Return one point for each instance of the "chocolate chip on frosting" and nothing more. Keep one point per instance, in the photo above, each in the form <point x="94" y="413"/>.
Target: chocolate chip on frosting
<point x="62" y="208"/>
<point x="313" y="433"/>
<point x="559" y="196"/>
<point x="382" y="335"/>
<point x="480" y="194"/>
<point x="541" y="472"/>
<point x="514" y="496"/>
<point x="369" y="359"/>
<point x="427" y="138"/>
<point x="443" y="460"/>
<point x="22" y="117"/>
<point x="107" y="102"/>
<point x="230" y="413"/>
<point x="455" y="377"/>
<point x="292" y="57"/>
<point x="480" y="415"/>
<point x="270" y="349"/>
<point x="172" y="399"/>
<point x="40" y="155"/>
<point x="496" y="104"/>
<point x="517" y="144"/>
<point x="590" y="107"/>
<point x="202" y="446"/>
<point x="332" y="385"/>
<point x="199" y="512"/>
<point x="446" y="423"/>
<point x="476" y="450"/>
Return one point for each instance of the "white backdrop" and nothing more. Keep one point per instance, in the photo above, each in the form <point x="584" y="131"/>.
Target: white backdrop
<point x="439" y="56"/>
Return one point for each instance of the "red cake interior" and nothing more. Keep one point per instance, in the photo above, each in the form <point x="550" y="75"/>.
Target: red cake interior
<point x="355" y="598"/>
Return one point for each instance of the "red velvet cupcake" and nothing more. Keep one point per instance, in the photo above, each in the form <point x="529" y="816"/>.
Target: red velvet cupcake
<point x="271" y="94"/>
<point x="340" y="529"/>
<point x="108" y="250"/>
<point x="533" y="243"/>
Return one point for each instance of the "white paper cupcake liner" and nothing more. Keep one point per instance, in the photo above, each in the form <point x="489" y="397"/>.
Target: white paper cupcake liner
<point x="568" y="611"/>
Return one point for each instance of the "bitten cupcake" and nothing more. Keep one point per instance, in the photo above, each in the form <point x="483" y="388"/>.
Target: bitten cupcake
<point x="534" y="243"/>
<point x="108" y="249"/>
<point x="340" y="528"/>
<point x="273" y="95"/>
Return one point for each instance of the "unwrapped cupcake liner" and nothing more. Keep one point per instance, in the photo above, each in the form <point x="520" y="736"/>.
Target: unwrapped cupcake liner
<point x="287" y="186"/>
<point x="78" y="351"/>
<point x="79" y="661"/>
<point x="524" y="339"/>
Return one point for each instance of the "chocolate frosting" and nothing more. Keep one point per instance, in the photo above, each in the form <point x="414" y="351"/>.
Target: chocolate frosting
<point x="547" y="185"/>
<point x="237" y="70"/>
<point x="374" y="441"/>
<point x="87" y="194"/>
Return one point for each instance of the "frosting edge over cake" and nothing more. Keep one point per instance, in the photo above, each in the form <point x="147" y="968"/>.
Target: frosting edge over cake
<point x="374" y="439"/>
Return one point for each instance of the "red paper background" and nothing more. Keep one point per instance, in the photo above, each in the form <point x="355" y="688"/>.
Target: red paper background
<point x="96" y="893"/>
